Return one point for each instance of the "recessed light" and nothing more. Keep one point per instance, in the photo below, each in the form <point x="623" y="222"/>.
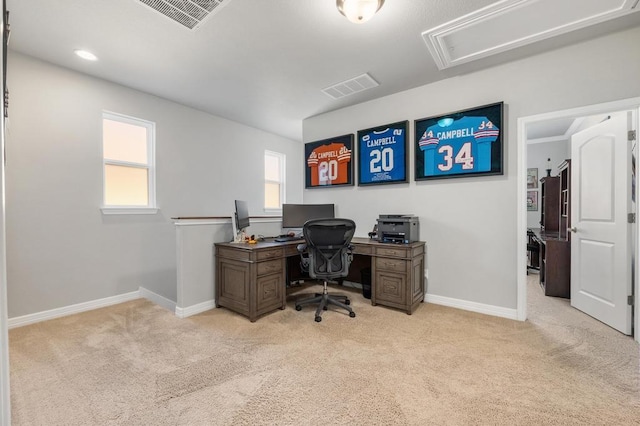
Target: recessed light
<point x="86" y="55"/>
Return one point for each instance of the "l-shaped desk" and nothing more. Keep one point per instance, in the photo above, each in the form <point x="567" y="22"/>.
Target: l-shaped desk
<point x="251" y="279"/>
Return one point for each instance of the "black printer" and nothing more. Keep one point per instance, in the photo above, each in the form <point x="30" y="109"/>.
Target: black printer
<point x="398" y="228"/>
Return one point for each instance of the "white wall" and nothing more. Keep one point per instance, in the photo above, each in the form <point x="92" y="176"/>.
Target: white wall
<point x="537" y="154"/>
<point x="60" y="249"/>
<point x="469" y="224"/>
<point x="5" y="401"/>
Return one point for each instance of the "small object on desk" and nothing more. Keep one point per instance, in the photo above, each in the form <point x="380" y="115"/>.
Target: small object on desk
<point x="374" y="233"/>
<point x="398" y="228"/>
<point x="287" y="238"/>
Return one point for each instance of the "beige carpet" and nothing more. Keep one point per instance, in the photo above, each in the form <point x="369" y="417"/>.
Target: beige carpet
<point x="138" y="364"/>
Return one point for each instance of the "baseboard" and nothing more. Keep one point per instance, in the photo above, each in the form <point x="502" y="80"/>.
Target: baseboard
<point x="480" y="308"/>
<point x="195" y="309"/>
<point x="158" y="299"/>
<point x="72" y="309"/>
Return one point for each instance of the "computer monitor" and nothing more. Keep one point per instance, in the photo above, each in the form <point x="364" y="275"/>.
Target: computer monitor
<point x="240" y="219"/>
<point x="295" y="215"/>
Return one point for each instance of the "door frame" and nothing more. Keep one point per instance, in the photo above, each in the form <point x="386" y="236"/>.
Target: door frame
<point x="521" y="222"/>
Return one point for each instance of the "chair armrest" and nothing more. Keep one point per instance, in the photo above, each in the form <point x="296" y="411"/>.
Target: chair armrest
<point x="302" y="248"/>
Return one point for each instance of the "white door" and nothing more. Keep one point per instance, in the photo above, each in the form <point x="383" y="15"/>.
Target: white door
<point x="600" y="238"/>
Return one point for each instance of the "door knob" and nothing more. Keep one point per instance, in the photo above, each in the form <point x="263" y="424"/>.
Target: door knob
<point x="572" y="229"/>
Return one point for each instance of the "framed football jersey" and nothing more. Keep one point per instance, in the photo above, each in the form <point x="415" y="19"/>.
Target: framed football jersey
<point x="329" y="162"/>
<point x="382" y="154"/>
<point x="461" y="144"/>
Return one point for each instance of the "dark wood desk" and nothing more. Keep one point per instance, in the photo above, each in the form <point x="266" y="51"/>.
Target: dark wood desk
<point x="555" y="263"/>
<point x="251" y="278"/>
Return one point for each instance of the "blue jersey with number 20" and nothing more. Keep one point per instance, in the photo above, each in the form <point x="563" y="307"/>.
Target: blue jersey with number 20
<point x="382" y="156"/>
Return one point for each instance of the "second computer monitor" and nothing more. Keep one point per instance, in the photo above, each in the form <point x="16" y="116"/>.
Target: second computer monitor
<point x="295" y="215"/>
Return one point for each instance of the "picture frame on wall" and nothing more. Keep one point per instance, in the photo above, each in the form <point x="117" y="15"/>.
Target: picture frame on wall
<point x="464" y="143"/>
<point x="329" y="162"/>
<point x="532" y="201"/>
<point x="532" y="178"/>
<point x="383" y="154"/>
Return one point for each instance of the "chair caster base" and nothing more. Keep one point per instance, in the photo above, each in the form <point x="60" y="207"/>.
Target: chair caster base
<point x="352" y="314"/>
<point x="298" y="308"/>
<point x="318" y="318"/>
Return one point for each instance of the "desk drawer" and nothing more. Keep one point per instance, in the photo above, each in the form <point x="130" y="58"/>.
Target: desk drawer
<point x="270" y="266"/>
<point x="363" y="249"/>
<point x="270" y="253"/>
<point x="391" y="251"/>
<point x="394" y="265"/>
<point x="233" y="253"/>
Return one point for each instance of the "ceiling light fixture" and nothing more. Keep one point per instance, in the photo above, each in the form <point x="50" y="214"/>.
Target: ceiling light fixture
<point x="86" y="55"/>
<point x="359" y="11"/>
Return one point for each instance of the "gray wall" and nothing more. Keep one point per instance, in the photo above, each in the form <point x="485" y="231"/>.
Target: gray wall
<point x="470" y="224"/>
<point x="5" y="401"/>
<point x="60" y="249"/>
<point x="537" y="154"/>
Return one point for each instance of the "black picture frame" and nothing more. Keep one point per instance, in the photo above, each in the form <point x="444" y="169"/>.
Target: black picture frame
<point x="329" y="162"/>
<point x="532" y="201"/>
<point x="383" y="154"/>
<point x="466" y="143"/>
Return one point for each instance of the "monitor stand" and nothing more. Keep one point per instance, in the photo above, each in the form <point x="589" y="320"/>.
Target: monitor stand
<point x="238" y="234"/>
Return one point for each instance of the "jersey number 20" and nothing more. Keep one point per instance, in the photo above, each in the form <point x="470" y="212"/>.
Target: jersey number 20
<point x="328" y="171"/>
<point x="381" y="160"/>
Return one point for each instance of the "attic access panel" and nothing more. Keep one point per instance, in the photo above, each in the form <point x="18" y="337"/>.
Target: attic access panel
<point x="508" y="24"/>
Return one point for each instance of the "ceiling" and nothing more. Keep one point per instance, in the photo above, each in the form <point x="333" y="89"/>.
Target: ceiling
<point x="560" y="129"/>
<point x="263" y="63"/>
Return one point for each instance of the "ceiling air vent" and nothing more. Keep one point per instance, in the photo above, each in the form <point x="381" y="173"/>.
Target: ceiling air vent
<point x="190" y="13"/>
<point x="351" y="86"/>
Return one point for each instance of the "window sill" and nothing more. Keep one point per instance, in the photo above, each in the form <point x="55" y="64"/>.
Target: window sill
<point x="129" y="210"/>
<point x="273" y="211"/>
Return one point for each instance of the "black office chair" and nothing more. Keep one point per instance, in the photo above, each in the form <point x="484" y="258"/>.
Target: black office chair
<point x="326" y="255"/>
<point x="533" y="252"/>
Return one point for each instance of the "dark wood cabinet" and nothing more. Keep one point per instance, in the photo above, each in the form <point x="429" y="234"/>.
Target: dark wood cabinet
<point x="554" y="237"/>
<point x="550" y="203"/>
<point x="250" y="281"/>
<point x="565" y="200"/>
<point x="398" y="273"/>
<point x="555" y="266"/>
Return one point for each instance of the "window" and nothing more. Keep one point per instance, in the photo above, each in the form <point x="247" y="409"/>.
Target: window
<point x="274" y="164"/>
<point x="128" y="158"/>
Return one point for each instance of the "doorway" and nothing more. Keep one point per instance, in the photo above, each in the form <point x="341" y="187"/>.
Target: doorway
<point x="525" y="124"/>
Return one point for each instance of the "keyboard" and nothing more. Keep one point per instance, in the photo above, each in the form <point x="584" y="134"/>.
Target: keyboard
<point x="287" y="238"/>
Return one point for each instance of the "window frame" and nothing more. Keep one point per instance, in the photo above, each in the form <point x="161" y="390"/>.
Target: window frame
<point x="282" y="161"/>
<point x="150" y="126"/>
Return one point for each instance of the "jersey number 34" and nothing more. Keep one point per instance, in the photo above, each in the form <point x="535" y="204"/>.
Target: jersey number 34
<point x="463" y="157"/>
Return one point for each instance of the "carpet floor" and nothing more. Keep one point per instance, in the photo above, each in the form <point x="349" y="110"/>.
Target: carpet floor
<point x="138" y="364"/>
